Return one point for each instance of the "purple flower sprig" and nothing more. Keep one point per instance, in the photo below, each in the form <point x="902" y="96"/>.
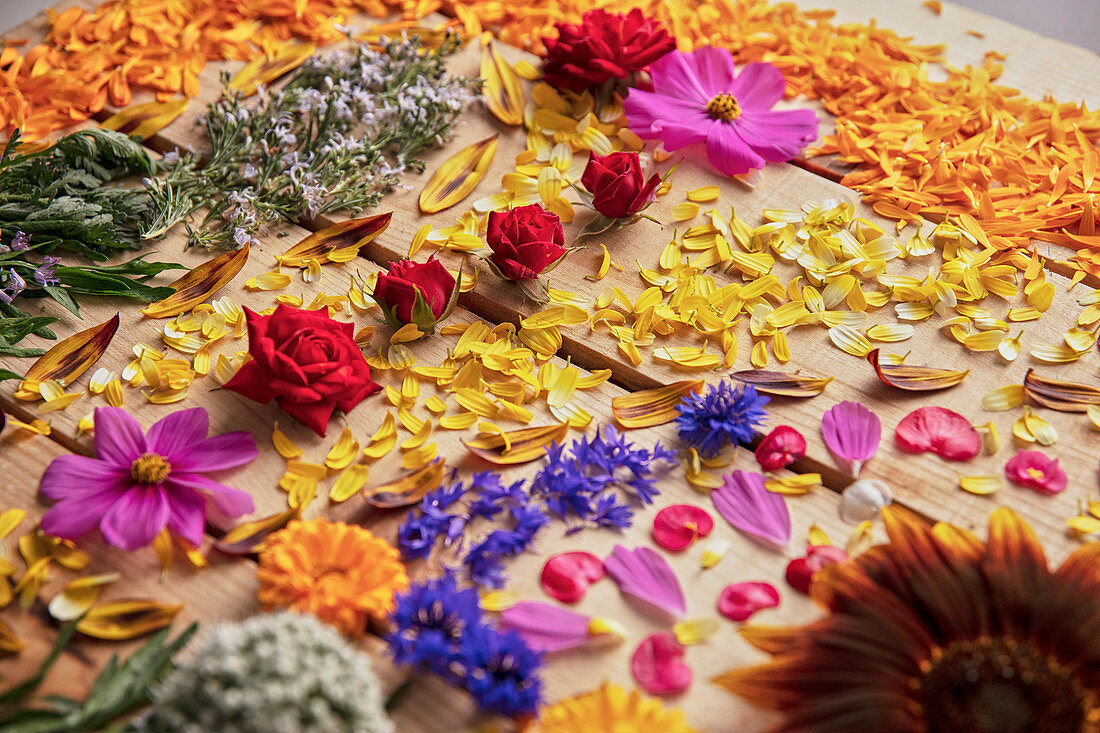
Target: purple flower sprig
<point x="441" y="628"/>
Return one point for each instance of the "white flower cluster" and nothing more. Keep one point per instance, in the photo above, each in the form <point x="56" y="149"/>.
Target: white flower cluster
<point x="274" y="673"/>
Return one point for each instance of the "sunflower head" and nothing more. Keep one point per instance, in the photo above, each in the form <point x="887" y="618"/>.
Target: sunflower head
<point x="611" y="708"/>
<point x="340" y="573"/>
<point x="938" y="632"/>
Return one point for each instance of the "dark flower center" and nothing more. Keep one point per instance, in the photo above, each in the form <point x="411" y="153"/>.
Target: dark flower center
<point x="149" y="469"/>
<point x="724" y="107"/>
<point x="1001" y="686"/>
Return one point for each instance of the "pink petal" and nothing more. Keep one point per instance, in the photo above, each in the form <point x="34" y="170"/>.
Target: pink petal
<point x="946" y="433"/>
<point x="676" y="527"/>
<point x="118" y="436"/>
<point x="178" y="432"/>
<point x="71" y="519"/>
<point x="751" y="508"/>
<point x="658" y="665"/>
<point x="77" y="477"/>
<point x="759" y="86"/>
<point x="777" y="135"/>
<point x="728" y="153"/>
<point x="546" y="628"/>
<point x="739" y="601"/>
<point x="675" y="121"/>
<point x="852" y="432"/>
<point x="566" y="576"/>
<point x="715" y="69"/>
<point x="644" y="574"/>
<point x="674" y="75"/>
<point x="220" y="453"/>
<point x="230" y="502"/>
<point x="187" y="514"/>
<point x="137" y="517"/>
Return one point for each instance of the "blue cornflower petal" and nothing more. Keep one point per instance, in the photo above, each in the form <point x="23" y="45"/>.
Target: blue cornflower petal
<point x="725" y="414"/>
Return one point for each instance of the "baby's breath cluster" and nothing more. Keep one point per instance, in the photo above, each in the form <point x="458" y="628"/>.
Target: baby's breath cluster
<point x="274" y="673"/>
<point x="337" y="136"/>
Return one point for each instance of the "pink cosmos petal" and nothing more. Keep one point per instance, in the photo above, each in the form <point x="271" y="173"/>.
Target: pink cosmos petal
<point x="728" y="153"/>
<point x="676" y="122"/>
<point x="118" y="436"/>
<point x="1037" y="470"/>
<point x="715" y="69"/>
<point x="230" y="502"/>
<point x="546" y="628"/>
<point x="739" y="601"/>
<point x="644" y="574"/>
<point x="944" y="432"/>
<point x="777" y="135"/>
<point x="658" y="665"/>
<point x="758" y="86"/>
<point x="187" y="514"/>
<point x="137" y="517"/>
<point x="220" y="453"/>
<point x="69" y="476"/>
<point x="852" y="432"/>
<point x="674" y="75"/>
<point x="177" y="432"/>
<point x="751" y="508"/>
<point x="567" y="575"/>
<point x="71" y="519"/>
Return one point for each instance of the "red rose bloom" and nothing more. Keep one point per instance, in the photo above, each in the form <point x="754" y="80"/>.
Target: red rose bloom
<point x="525" y="241"/>
<point x="307" y="362"/>
<point x="618" y="187"/>
<point x="604" y="46"/>
<point x="406" y="284"/>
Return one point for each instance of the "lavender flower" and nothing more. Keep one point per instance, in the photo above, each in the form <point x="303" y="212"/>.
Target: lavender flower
<point x="15" y="286"/>
<point x="725" y="414"/>
<point x="44" y="273"/>
<point x="20" y="242"/>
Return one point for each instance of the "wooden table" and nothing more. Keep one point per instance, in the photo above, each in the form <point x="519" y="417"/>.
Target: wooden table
<point x="924" y="483"/>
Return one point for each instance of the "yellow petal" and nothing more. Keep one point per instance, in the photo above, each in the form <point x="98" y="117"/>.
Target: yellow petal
<point x="284" y="445"/>
<point x="266" y="68"/>
<point x="146" y="120"/>
<point x="696" y="631"/>
<point x="349" y="482"/>
<point x="501" y="88"/>
<point x="199" y="284"/>
<point x="981" y="485"/>
<point x="343" y="237"/>
<point x="458" y="176"/>
<point x="343" y="452"/>
<point x="127" y="619"/>
<point x="70" y="358"/>
<point x="1004" y="398"/>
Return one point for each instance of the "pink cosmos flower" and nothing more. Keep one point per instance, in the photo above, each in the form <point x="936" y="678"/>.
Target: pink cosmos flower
<point x="141" y="483"/>
<point x="697" y="97"/>
<point x="1037" y="470"/>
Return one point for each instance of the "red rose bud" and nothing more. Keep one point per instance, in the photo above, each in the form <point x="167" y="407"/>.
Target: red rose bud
<point x="801" y="570"/>
<point x="526" y="241"/>
<point x="618" y="187"/>
<point x="307" y="362"/>
<point x="603" y="47"/>
<point x="780" y="448"/>
<point x="423" y="293"/>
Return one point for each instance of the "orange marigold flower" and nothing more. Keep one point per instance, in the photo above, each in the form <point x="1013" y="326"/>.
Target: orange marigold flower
<point x="340" y="573"/>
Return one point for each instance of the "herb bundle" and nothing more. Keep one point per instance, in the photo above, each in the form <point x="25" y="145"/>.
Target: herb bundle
<point x="55" y="201"/>
<point x="337" y="136"/>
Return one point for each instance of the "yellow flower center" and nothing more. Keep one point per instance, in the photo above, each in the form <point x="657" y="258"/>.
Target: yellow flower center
<point x="1004" y="685"/>
<point x="1036" y="474"/>
<point x="149" y="469"/>
<point x="724" y="107"/>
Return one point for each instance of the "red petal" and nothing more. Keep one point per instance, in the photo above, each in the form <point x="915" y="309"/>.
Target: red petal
<point x="658" y="665"/>
<point x="677" y="526"/>
<point x="567" y="576"/>
<point x="947" y="434"/>
<point x="801" y="570"/>
<point x="738" y="601"/>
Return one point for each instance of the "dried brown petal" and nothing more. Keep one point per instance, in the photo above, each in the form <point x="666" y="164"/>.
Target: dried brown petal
<point x="915" y="378"/>
<point x="783" y="384"/>
<point x="1058" y="394"/>
<point x="70" y="358"/>
<point x="199" y="284"/>
<point x="651" y="407"/>
<point x="517" y="446"/>
<point x="345" y="235"/>
<point x="407" y="490"/>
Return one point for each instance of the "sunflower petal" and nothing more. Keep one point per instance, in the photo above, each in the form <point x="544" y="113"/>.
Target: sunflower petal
<point x="458" y="176"/>
<point x="199" y="284"/>
<point x="345" y="236"/>
<point x="915" y="378"/>
<point x="70" y="358"/>
<point x="407" y="490"/>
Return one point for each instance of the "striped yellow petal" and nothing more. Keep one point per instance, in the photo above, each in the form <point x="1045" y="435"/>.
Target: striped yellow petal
<point x="501" y="88"/>
<point x="146" y="120"/>
<point x="406" y="490"/>
<point x="1004" y="398"/>
<point x="890" y="332"/>
<point x="246" y="538"/>
<point x="127" y="619"/>
<point x="199" y="284"/>
<point x="1054" y="353"/>
<point x="850" y="341"/>
<point x="349" y="482"/>
<point x="70" y="358"/>
<point x="685" y="210"/>
<point x="458" y="176"/>
<point x="343" y="237"/>
<point x="651" y="407"/>
<point x="517" y="446"/>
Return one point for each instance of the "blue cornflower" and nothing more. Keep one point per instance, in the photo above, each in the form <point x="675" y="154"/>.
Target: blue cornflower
<point x="502" y="672"/>
<point x="493" y="495"/>
<point x="611" y="513"/>
<point x="725" y="414"/>
<point x="431" y="619"/>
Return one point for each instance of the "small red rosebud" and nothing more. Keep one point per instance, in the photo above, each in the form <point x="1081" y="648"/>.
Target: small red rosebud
<point x="801" y="570"/>
<point x="780" y="448"/>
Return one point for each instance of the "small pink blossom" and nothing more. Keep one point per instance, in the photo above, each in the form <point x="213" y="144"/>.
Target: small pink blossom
<point x="780" y="448"/>
<point x="1035" y="469"/>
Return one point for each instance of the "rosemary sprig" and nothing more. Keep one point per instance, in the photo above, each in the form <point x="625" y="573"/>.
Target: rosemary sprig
<point x="336" y="136"/>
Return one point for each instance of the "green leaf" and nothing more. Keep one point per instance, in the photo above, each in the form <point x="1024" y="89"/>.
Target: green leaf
<point x="17" y="694"/>
<point x="6" y="374"/>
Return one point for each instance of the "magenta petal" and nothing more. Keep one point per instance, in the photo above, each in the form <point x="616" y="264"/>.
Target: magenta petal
<point x="777" y="135"/>
<point x="230" y="502"/>
<point x="220" y="453"/>
<point x="118" y="436"/>
<point x="178" y="432"/>
<point x="544" y="627"/>
<point x="751" y="508"/>
<point x="715" y="69"/>
<point x="658" y="665"/>
<point x="675" y="121"/>
<point x="852" y="432"/>
<point x="728" y="153"/>
<point x="759" y="85"/>
<point x="644" y="574"/>
<point x="187" y="514"/>
<point x="739" y="601"/>
<point x="136" y="518"/>
<point x="674" y="75"/>
<point x="77" y="477"/>
<point x="71" y="519"/>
